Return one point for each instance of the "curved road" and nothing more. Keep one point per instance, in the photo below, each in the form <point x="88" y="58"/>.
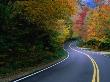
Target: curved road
<point x="81" y="66"/>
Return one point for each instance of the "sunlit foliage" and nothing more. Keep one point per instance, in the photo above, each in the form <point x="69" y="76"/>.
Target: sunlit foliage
<point x="98" y="26"/>
<point x="32" y="31"/>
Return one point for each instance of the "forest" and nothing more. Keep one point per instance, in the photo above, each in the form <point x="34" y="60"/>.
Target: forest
<point x="95" y="33"/>
<point x="33" y="32"/>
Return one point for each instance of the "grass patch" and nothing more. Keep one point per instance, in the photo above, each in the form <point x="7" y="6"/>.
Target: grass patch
<point x="108" y="54"/>
<point x="22" y="63"/>
<point x="95" y="45"/>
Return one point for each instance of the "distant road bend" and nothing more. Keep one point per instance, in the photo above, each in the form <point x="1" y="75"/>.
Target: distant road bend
<point x="81" y="66"/>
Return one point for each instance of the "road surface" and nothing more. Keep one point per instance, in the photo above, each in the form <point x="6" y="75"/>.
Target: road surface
<point x="81" y="66"/>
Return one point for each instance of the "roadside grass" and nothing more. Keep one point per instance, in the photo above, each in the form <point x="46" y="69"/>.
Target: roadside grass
<point x="94" y="45"/>
<point x="107" y="53"/>
<point x="84" y="45"/>
<point x="28" y="63"/>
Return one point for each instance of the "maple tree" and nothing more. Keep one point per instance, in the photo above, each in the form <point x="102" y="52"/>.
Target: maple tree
<point x="97" y="24"/>
<point x="79" y="21"/>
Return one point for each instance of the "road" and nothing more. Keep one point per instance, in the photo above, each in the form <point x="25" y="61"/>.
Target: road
<point x="81" y="66"/>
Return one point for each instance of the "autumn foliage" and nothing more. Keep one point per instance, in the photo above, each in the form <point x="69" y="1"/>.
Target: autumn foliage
<point x="97" y="27"/>
<point x="32" y="32"/>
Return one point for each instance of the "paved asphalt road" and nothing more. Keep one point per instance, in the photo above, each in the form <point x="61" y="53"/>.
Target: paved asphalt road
<point x="81" y="66"/>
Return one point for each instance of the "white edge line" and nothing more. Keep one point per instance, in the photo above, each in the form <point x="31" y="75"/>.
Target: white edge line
<point x="101" y="53"/>
<point x="44" y="68"/>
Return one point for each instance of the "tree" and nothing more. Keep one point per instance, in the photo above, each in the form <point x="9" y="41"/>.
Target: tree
<point x="98" y="22"/>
